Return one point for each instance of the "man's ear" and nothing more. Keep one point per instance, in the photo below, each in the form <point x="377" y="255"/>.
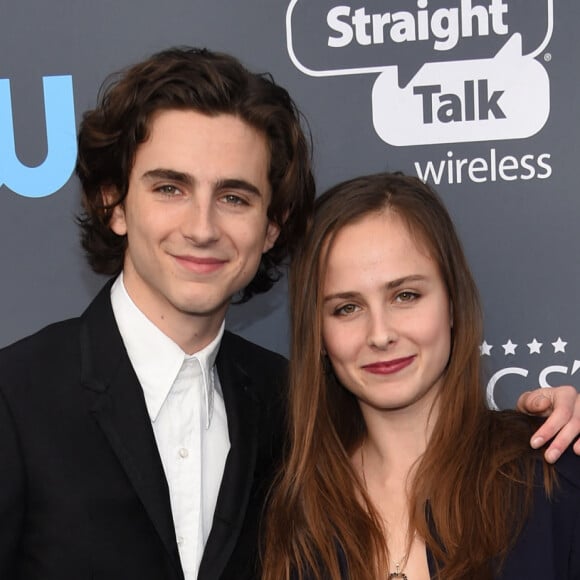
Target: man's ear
<point x="117" y="221"/>
<point x="272" y="233"/>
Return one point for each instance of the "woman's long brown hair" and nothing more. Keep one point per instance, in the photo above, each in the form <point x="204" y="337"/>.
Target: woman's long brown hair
<point x="473" y="485"/>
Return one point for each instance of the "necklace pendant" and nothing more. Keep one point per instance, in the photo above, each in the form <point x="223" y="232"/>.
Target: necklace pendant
<point x="397" y="573"/>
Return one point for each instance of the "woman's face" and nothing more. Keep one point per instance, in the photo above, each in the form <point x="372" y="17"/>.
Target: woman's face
<point x="386" y="315"/>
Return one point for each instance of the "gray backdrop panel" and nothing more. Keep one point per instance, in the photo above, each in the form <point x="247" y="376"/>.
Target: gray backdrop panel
<point x="517" y="211"/>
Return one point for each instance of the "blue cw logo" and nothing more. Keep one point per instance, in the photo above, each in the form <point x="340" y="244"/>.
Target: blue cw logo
<point x="59" y="163"/>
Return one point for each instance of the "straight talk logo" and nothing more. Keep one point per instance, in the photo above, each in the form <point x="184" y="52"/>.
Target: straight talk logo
<point x="437" y="81"/>
<point x="445" y="25"/>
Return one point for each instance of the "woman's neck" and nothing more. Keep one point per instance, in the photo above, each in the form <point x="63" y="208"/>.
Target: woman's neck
<point x="396" y="439"/>
<point x="385" y="461"/>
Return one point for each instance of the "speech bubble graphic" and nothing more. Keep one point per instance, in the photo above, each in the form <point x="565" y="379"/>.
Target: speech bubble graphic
<point x="468" y="100"/>
<point x="334" y="38"/>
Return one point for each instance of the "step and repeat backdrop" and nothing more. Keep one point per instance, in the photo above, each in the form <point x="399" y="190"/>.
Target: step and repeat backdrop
<point x="478" y="97"/>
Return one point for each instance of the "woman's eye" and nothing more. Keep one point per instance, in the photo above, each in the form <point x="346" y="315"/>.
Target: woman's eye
<point x="407" y="296"/>
<point x="346" y="310"/>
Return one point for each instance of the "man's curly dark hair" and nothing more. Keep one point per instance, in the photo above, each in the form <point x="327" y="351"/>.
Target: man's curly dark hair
<point x="211" y="83"/>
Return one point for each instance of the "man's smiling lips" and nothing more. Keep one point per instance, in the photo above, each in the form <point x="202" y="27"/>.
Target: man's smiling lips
<point x="389" y="367"/>
<point x="199" y="265"/>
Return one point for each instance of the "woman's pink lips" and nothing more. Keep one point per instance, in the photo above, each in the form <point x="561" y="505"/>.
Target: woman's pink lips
<point x="200" y="265"/>
<point x="389" y="367"/>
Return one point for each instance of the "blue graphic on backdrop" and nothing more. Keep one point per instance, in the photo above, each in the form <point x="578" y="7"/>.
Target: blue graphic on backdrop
<point x="57" y="167"/>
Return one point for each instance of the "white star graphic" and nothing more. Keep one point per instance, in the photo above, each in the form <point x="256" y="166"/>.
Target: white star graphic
<point x="509" y="347"/>
<point x="559" y="345"/>
<point x="485" y="349"/>
<point x="535" y="346"/>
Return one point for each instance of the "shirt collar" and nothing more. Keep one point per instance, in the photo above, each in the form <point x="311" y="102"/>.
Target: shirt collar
<point x="156" y="359"/>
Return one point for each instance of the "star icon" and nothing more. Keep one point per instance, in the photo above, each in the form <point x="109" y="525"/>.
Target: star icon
<point x="535" y="346"/>
<point x="485" y="349"/>
<point x="559" y="345"/>
<point x="509" y="347"/>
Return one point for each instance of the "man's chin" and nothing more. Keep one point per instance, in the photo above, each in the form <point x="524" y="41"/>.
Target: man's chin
<point x="202" y="308"/>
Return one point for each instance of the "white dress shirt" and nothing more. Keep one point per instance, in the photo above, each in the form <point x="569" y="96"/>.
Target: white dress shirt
<point x="187" y="411"/>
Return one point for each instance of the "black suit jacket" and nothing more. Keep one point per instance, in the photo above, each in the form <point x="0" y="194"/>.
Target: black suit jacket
<point x="548" y="547"/>
<point x="82" y="490"/>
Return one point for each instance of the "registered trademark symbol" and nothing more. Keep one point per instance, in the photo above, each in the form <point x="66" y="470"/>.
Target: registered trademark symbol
<point x="548" y="57"/>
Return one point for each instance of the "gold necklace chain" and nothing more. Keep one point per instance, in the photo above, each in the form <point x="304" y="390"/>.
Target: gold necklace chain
<point x="400" y="565"/>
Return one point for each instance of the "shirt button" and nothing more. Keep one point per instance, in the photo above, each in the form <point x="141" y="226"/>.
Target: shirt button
<point x="183" y="453"/>
<point x="179" y="541"/>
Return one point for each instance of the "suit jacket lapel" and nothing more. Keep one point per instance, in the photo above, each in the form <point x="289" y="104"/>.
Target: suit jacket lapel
<point x="242" y="408"/>
<point x="118" y="406"/>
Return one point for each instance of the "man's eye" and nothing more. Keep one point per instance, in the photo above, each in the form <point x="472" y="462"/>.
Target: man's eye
<point x="234" y="199"/>
<point x="168" y="190"/>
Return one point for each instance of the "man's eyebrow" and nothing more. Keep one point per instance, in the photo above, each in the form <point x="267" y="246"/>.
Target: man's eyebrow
<point x="188" y="179"/>
<point x="169" y="174"/>
<point x="239" y="184"/>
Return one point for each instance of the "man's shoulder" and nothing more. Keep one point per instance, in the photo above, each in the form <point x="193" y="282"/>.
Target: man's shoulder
<point x="265" y="370"/>
<point x="245" y="351"/>
<point x="46" y="358"/>
<point x="568" y="470"/>
<point x="59" y="337"/>
<point x="50" y="338"/>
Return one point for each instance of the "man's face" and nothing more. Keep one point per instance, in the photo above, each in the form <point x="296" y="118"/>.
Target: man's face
<point x="195" y="217"/>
